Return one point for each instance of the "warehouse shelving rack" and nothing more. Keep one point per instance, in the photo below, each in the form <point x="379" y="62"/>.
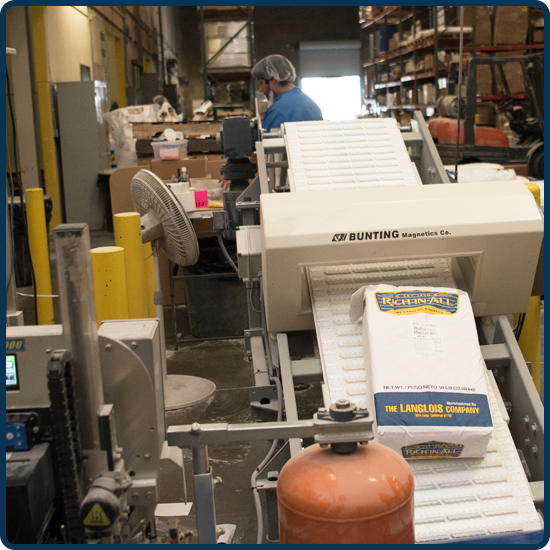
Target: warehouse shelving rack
<point x="440" y="41"/>
<point x="217" y="76"/>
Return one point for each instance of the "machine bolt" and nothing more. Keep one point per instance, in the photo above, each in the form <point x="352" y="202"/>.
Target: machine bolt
<point x="133" y="345"/>
<point x="534" y="427"/>
<point x="149" y="495"/>
<point x="323" y="445"/>
<point x="35" y="429"/>
<point x="527" y="442"/>
<point x="195" y="428"/>
<point x="342" y="404"/>
<point x="247" y="333"/>
<point x="48" y="350"/>
<point x="535" y="451"/>
<point x="108" y="347"/>
<point x="526" y="419"/>
<point x="147" y="456"/>
<point x="321" y="410"/>
<point x="248" y="353"/>
<point x="216" y="480"/>
<point x="135" y="497"/>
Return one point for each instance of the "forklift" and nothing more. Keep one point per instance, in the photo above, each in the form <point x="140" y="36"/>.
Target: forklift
<point x="482" y="144"/>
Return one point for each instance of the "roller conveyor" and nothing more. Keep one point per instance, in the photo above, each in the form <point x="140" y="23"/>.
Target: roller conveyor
<point x="454" y="499"/>
<point x="348" y="155"/>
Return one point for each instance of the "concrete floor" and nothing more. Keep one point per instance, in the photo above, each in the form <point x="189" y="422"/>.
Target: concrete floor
<point x="223" y="362"/>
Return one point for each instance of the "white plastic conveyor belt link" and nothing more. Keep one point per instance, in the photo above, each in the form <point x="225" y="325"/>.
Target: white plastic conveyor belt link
<point x="455" y="499"/>
<point x="353" y="154"/>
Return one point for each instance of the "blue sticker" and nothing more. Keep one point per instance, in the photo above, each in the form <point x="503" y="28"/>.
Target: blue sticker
<point x="16" y="344"/>
<point x="432" y="409"/>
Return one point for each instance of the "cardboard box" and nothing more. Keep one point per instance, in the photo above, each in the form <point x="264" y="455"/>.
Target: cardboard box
<point x="119" y="185"/>
<point x="404" y="118"/>
<point x="486" y="113"/>
<point x="483" y="24"/>
<point x="428" y="63"/>
<point x="511" y="23"/>
<point x="410" y="98"/>
<point x="214" y="164"/>
<point x="514" y="76"/>
<point x="204" y="227"/>
<point x="428" y="94"/>
<point x="165" y="169"/>
<point x="394" y="43"/>
<point x="538" y="36"/>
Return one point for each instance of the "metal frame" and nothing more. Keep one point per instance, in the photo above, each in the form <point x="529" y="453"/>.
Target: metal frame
<point x="500" y="351"/>
<point x="414" y="16"/>
<point x="514" y="380"/>
<point x="208" y="74"/>
<point x="471" y="94"/>
<point x="171" y="279"/>
<point x="417" y="138"/>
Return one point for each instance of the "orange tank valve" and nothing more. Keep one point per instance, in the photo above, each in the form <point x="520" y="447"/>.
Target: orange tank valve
<point x="346" y="494"/>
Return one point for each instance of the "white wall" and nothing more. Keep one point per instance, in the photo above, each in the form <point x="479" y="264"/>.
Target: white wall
<point x="77" y="35"/>
<point x="68" y="42"/>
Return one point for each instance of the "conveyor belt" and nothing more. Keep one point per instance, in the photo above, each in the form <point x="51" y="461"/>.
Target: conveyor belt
<point x="347" y="155"/>
<point x="455" y="499"/>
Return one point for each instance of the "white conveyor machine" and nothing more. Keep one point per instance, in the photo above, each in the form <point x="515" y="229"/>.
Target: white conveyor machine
<point x="373" y="221"/>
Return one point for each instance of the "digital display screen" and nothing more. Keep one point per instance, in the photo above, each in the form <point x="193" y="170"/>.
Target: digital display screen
<point x="12" y="376"/>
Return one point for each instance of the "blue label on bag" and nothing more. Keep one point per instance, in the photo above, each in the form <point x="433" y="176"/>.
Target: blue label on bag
<point x="432" y="409"/>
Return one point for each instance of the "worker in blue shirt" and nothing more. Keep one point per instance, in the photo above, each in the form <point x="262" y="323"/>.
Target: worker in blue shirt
<point x="276" y="74"/>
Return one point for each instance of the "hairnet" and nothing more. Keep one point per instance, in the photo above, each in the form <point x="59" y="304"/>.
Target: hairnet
<point x="275" y="66"/>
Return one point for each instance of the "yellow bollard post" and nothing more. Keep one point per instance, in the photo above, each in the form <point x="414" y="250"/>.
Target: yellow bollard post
<point x="109" y="273"/>
<point x="38" y="244"/>
<point x="529" y="341"/>
<point x="128" y="236"/>
<point x="149" y="265"/>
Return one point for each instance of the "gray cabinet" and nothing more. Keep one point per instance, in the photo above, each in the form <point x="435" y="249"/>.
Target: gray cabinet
<point x="84" y="149"/>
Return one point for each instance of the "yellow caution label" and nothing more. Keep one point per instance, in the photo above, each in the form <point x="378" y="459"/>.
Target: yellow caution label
<point x="97" y="517"/>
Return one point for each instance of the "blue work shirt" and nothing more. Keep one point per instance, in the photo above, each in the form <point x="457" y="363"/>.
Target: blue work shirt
<point x="291" y="106"/>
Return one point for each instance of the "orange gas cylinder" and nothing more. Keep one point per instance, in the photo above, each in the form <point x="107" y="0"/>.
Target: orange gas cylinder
<point x="365" y="497"/>
<point x="443" y="131"/>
